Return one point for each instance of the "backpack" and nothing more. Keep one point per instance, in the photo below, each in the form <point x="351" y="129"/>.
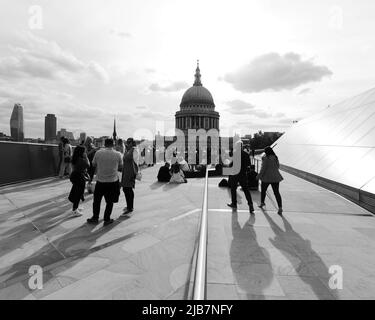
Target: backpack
<point x="223" y="183"/>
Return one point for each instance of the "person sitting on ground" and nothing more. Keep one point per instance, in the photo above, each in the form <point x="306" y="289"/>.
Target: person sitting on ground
<point x="177" y="174"/>
<point x="183" y="164"/>
<point x="164" y="175"/>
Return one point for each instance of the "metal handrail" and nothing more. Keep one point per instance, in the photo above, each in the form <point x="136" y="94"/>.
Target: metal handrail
<point x="199" y="291"/>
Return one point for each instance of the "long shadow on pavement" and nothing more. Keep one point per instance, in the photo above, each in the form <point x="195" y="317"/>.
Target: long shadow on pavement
<point x="297" y="248"/>
<point x="74" y="245"/>
<point x="25" y="186"/>
<point x="48" y="214"/>
<point x="250" y="262"/>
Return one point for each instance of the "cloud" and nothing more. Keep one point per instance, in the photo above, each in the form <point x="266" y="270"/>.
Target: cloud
<point x="98" y="71"/>
<point x="119" y="33"/>
<point x="40" y="58"/>
<point x="273" y="71"/>
<point x="150" y="70"/>
<point x="304" y="91"/>
<point x="252" y="115"/>
<point x="239" y="107"/>
<point x="37" y="102"/>
<point x="152" y="115"/>
<point x="256" y="126"/>
<point x="174" y="86"/>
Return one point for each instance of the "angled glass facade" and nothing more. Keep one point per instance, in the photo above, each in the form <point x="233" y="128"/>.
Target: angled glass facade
<point x="337" y="143"/>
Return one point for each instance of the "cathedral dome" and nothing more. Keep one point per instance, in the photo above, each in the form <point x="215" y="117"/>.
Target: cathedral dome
<point x="197" y="94"/>
<point x="197" y="108"/>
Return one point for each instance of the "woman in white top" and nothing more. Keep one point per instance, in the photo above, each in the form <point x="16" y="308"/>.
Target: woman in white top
<point x="177" y="174"/>
<point x="66" y="159"/>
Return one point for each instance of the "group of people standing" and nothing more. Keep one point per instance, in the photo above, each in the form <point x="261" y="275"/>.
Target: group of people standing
<point x="268" y="175"/>
<point x="105" y="163"/>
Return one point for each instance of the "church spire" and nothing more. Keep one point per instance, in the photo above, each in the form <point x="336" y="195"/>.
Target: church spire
<point x="197" y="81"/>
<point x="114" y="130"/>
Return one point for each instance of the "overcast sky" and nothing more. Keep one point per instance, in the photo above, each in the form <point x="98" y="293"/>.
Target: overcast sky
<point x="266" y="63"/>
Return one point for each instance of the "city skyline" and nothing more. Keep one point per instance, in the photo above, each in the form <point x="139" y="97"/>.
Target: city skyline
<point x="265" y="65"/>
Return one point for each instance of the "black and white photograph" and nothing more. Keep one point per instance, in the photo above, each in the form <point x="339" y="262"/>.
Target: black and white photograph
<point x="199" y="152"/>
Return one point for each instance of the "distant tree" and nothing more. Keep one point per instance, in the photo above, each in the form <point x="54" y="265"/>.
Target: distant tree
<point x="260" y="140"/>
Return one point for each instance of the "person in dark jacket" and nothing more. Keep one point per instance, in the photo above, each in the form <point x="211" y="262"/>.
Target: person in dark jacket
<point x="78" y="177"/>
<point x="90" y="151"/>
<point x="164" y="175"/>
<point x="252" y="178"/>
<point x="241" y="178"/>
<point x="270" y="175"/>
<point x="61" y="153"/>
<point x="129" y="173"/>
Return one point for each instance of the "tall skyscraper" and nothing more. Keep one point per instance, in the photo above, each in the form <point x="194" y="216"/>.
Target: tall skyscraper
<point x="50" y="128"/>
<point x="16" y="123"/>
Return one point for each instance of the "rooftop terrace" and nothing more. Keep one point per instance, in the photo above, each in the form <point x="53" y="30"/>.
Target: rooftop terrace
<point x="150" y="255"/>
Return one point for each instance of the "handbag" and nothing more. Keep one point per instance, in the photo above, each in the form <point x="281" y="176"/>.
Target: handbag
<point x="137" y="171"/>
<point x="67" y="159"/>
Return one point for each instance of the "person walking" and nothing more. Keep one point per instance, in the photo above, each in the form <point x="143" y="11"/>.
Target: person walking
<point x="90" y="150"/>
<point x="67" y="158"/>
<point x="129" y="174"/>
<point x="241" y="178"/>
<point x="79" y="175"/>
<point x="107" y="162"/>
<point x="270" y="175"/>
